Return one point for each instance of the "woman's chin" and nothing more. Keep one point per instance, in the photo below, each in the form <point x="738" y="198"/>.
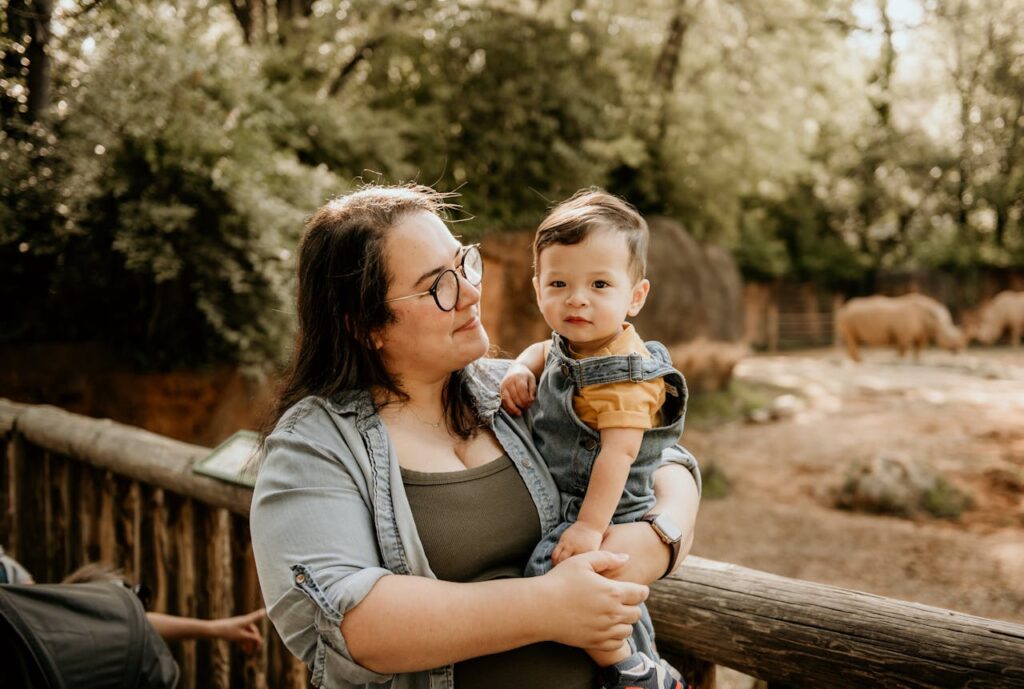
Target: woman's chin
<point x="475" y="346"/>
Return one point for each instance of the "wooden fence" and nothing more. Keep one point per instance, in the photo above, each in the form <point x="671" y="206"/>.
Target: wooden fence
<point x="75" y="489"/>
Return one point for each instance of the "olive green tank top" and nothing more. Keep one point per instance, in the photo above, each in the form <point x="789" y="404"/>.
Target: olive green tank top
<point x="481" y="524"/>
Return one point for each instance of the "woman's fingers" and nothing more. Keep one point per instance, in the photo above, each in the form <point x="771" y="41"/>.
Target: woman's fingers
<point x="602" y="561"/>
<point x="595" y="611"/>
<point x="634" y="594"/>
<point x="612" y="638"/>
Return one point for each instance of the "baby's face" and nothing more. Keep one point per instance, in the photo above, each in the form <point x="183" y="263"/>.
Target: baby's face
<point x="585" y="290"/>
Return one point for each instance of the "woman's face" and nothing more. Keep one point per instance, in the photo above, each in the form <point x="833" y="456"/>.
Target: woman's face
<point x="424" y="342"/>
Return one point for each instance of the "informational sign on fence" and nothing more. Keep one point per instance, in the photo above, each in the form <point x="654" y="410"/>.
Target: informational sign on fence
<point x="234" y="460"/>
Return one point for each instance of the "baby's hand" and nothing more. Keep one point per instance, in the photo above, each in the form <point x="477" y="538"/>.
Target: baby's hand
<point x="518" y="389"/>
<point x="578" y="538"/>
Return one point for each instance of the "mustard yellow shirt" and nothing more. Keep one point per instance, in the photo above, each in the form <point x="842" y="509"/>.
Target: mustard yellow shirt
<point x="625" y="404"/>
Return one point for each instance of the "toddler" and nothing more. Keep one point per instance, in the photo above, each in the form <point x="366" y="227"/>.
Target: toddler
<point x="607" y="403"/>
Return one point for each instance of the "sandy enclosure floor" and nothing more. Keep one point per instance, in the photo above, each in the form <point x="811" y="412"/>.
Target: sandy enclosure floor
<point x="963" y="414"/>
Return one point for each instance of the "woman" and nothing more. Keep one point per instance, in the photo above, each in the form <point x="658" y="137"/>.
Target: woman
<point x="397" y="504"/>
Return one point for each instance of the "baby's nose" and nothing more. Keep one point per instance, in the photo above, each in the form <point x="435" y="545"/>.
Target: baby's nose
<point x="577" y="299"/>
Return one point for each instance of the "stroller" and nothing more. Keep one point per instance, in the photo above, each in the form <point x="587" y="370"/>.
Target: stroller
<point x="63" y="636"/>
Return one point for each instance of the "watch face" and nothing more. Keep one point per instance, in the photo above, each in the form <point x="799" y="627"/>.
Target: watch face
<point x="669" y="531"/>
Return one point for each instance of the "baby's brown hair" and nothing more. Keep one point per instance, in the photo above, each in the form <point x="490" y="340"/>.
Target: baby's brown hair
<point x="572" y="221"/>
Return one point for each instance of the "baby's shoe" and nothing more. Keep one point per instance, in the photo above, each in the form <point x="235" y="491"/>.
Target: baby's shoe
<point x="639" y="672"/>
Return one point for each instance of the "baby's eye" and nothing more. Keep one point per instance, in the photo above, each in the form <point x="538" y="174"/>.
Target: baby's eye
<point x="600" y="284"/>
<point x="557" y="283"/>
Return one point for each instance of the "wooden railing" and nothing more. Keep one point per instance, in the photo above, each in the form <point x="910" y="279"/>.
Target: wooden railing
<point x="75" y="489"/>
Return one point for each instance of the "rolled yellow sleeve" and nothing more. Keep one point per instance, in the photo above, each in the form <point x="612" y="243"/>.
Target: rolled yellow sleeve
<point x="621" y="405"/>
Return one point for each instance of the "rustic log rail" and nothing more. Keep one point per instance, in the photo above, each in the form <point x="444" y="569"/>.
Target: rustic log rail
<point x="75" y="489"/>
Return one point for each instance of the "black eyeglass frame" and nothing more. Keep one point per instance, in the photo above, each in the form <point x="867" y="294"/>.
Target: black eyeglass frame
<point x="458" y="287"/>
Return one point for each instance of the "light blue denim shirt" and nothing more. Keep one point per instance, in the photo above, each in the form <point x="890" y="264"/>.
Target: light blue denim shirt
<point x="330" y="517"/>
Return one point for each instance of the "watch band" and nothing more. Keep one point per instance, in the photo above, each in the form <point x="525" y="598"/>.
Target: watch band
<point x="673" y="544"/>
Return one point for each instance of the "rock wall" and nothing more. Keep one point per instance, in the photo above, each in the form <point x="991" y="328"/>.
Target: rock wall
<point x="202" y="407"/>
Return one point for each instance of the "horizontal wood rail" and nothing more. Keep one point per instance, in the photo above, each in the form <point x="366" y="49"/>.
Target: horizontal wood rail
<point x="76" y="489"/>
<point x="797" y="633"/>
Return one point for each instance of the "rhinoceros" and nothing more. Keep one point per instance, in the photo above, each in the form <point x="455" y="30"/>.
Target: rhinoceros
<point x="909" y="322"/>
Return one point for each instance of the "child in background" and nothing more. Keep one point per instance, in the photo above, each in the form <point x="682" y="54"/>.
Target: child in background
<point x="607" y="403"/>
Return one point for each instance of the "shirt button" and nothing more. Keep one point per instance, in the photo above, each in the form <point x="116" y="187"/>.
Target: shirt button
<point x="299" y="578"/>
<point x="590" y="444"/>
<point x="565" y="370"/>
<point x="526" y="464"/>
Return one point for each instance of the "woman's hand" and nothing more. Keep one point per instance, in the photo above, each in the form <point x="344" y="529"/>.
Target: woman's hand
<point x="518" y="389"/>
<point x="587" y="608"/>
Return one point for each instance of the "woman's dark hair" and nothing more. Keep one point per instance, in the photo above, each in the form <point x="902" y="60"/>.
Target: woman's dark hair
<point x="343" y="281"/>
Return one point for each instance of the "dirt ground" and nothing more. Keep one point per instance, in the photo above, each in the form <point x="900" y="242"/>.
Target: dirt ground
<point x="964" y="415"/>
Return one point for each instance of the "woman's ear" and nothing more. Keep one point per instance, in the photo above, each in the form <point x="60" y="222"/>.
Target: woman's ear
<point x="640" y="292"/>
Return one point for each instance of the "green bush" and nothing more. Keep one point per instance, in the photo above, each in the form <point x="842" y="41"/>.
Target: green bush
<point x="175" y="213"/>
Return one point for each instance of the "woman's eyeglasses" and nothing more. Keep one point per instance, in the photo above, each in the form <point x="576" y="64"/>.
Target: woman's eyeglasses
<point x="445" y="288"/>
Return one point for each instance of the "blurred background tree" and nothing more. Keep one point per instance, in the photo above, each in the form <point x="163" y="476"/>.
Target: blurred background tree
<point x="159" y="156"/>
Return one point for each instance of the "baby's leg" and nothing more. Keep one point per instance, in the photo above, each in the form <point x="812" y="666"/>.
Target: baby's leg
<point x="638" y="671"/>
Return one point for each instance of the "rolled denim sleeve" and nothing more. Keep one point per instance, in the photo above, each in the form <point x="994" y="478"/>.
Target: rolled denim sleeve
<point x="315" y="545"/>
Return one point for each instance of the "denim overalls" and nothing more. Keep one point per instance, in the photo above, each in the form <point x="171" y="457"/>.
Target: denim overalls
<point x="570" y="447"/>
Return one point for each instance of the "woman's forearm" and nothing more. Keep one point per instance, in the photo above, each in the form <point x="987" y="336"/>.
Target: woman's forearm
<point x="406" y="623"/>
<point x="676" y="495"/>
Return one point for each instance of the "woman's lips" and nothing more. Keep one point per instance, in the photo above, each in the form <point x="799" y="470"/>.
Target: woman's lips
<point x="468" y="325"/>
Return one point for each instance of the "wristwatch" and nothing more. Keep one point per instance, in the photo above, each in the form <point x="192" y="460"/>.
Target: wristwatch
<point x="669" y="534"/>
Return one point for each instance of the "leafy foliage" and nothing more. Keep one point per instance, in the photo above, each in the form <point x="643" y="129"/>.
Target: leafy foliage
<point x="153" y="192"/>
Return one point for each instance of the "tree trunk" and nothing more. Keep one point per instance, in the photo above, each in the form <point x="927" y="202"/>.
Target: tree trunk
<point x="1006" y="169"/>
<point x="39" y="60"/>
<point x="667" y="66"/>
<point x="252" y="18"/>
<point x="288" y="14"/>
<point x="883" y="105"/>
<point x="15" y="26"/>
<point x="663" y="82"/>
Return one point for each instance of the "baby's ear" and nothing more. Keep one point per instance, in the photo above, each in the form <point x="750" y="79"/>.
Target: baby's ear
<point x="640" y="291"/>
<point x="536" y="288"/>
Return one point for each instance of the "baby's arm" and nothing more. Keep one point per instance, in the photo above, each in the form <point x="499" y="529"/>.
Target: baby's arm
<point x="519" y="386"/>
<point x="619" y="447"/>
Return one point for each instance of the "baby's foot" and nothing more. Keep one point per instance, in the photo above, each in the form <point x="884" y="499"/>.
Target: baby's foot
<point x="639" y="672"/>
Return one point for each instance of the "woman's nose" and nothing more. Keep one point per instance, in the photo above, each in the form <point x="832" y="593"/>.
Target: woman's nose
<point x="469" y="293"/>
